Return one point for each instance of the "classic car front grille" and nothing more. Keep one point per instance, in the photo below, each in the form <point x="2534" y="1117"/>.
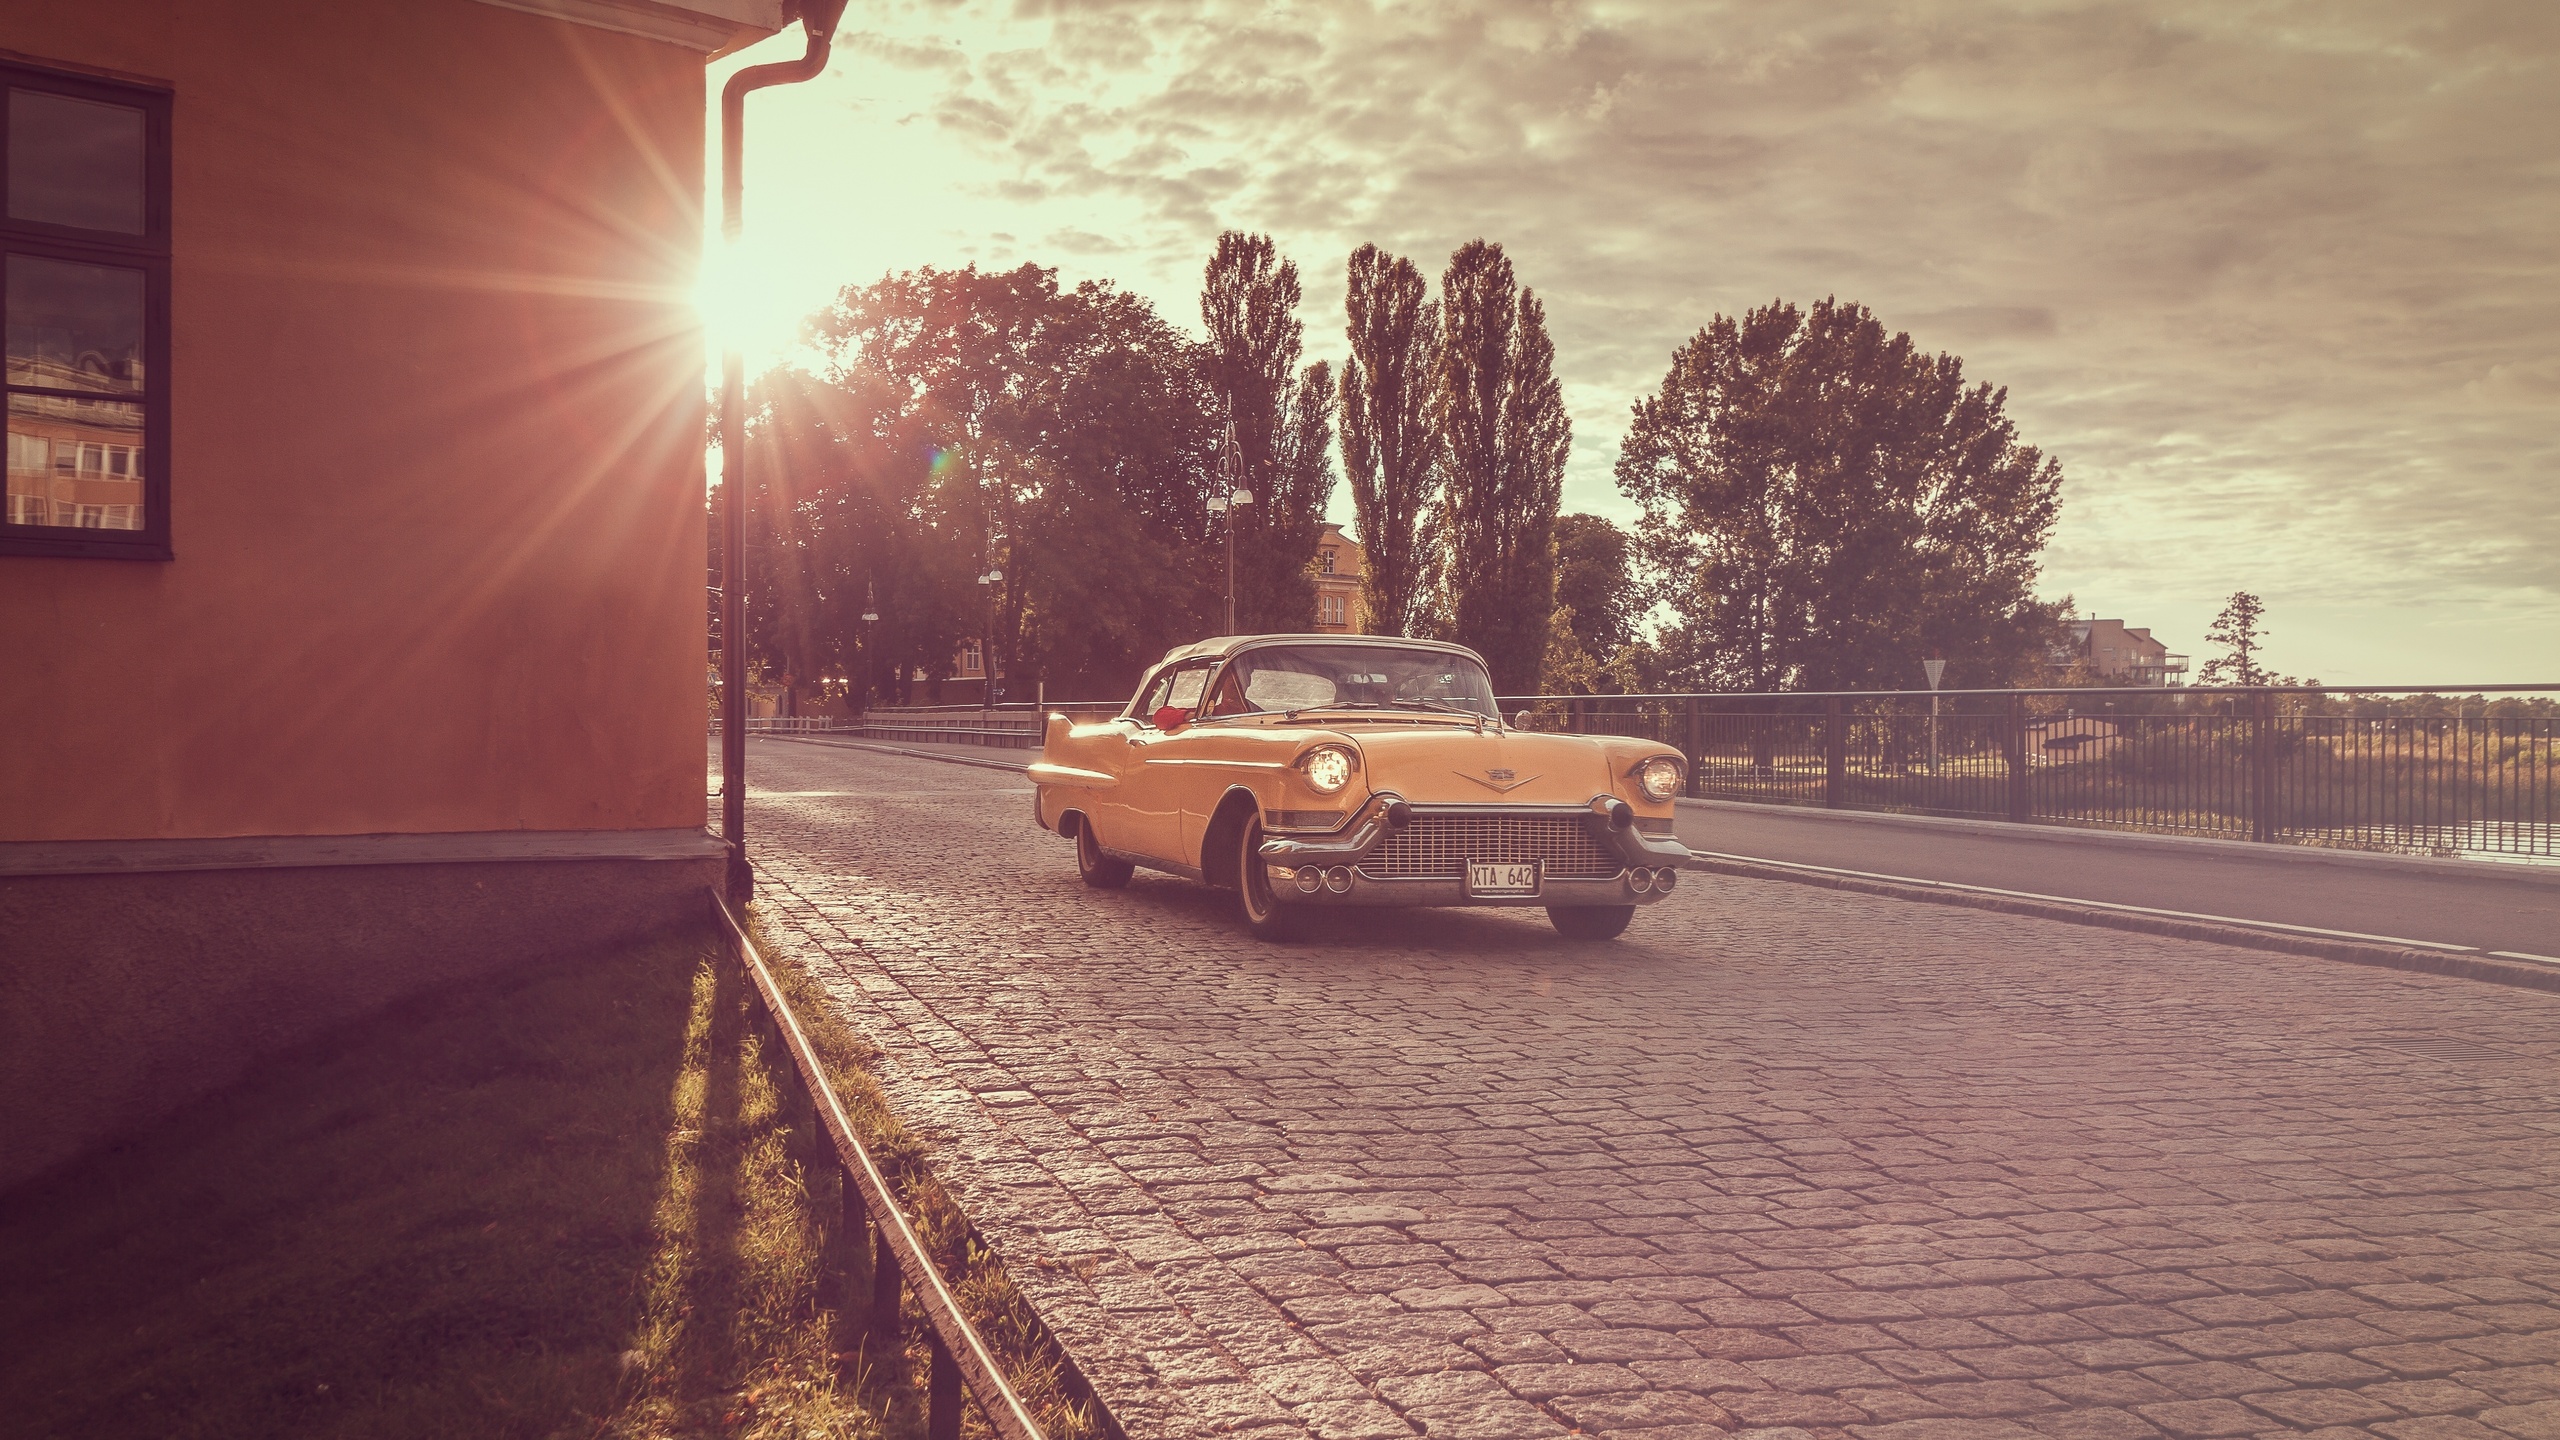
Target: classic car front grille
<point x="1439" y="847"/>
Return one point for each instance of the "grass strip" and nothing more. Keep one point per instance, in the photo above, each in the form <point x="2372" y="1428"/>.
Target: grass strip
<point x="565" y="1201"/>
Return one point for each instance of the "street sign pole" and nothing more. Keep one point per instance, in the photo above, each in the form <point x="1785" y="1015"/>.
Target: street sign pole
<point x="1935" y="669"/>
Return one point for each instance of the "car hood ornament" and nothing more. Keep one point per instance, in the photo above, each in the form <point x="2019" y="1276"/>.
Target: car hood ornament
<point x="1500" y="782"/>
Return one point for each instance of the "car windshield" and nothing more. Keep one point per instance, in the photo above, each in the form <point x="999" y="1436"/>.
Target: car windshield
<point x="1307" y="677"/>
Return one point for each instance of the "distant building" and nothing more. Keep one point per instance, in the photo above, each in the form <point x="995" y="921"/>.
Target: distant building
<point x="2126" y="654"/>
<point x="1339" y="568"/>
<point x="2071" y="738"/>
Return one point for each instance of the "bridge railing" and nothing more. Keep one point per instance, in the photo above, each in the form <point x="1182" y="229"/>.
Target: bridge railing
<point x="2444" y="770"/>
<point x="1009" y="726"/>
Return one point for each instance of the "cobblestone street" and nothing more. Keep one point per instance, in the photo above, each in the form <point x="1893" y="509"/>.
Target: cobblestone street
<point x="1784" y="1161"/>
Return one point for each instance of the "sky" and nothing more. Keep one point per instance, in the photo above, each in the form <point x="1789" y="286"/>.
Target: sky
<point x="2276" y="283"/>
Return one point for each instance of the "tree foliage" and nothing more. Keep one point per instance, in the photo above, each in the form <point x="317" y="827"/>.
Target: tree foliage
<point x="1388" y="444"/>
<point x="1504" y="438"/>
<point x="2237" y="630"/>
<point x="1824" y="503"/>
<point x="1281" y="421"/>
<point x="969" y="421"/>
<point x="2241" y="632"/>
<point x="1595" y="579"/>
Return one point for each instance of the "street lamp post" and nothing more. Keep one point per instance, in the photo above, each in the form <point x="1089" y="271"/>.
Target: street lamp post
<point x="1231" y="493"/>
<point x="870" y="617"/>
<point x="987" y="646"/>
<point x="1223" y="506"/>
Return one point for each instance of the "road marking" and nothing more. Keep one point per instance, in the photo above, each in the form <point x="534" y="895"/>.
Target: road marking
<point x="2232" y="920"/>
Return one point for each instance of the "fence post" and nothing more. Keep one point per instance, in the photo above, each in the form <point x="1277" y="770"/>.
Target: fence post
<point x="2262" y="768"/>
<point x="1835" y="755"/>
<point x="1692" y="744"/>
<point x="2013" y="746"/>
<point x="885" y="1287"/>
<point x="942" y="1395"/>
<point x="857" y="1234"/>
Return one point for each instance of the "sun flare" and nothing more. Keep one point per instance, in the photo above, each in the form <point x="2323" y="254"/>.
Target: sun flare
<point x="747" y="305"/>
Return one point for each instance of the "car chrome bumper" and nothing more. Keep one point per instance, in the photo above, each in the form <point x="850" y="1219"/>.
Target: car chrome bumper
<point x="1337" y="857"/>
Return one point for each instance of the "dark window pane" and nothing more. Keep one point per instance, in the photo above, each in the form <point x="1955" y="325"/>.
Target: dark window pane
<point x="75" y="464"/>
<point x="74" y="326"/>
<point x="75" y="162"/>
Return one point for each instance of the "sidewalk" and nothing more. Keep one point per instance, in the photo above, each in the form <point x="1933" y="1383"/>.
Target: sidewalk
<point x="2481" y="904"/>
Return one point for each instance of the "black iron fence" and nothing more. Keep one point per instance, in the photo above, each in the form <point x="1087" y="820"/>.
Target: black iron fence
<point x="1006" y="726"/>
<point x="2384" y="768"/>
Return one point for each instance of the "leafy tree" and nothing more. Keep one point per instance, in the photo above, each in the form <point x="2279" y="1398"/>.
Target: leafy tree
<point x="2240" y="631"/>
<point x="1594" y="580"/>
<point x="1387" y="441"/>
<point x="969" y="420"/>
<point x="1504" y="439"/>
<point x="847" y="510"/>
<point x="1822" y="502"/>
<point x="1282" y="427"/>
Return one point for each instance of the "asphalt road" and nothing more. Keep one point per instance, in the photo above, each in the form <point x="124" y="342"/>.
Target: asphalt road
<point x="1785" y="1161"/>
<point x="2486" y="905"/>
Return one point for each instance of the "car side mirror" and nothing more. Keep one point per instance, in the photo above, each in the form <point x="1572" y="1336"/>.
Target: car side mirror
<point x="1521" y="720"/>
<point x="1169" y="717"/>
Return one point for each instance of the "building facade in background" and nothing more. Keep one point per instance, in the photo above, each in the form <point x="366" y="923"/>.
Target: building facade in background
<point x="2126" y="655"/>
<point x="353" y="536"/>
<point x="1339" y="608"/>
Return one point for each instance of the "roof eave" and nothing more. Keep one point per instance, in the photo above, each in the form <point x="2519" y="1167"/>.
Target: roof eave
<point x="711" y="28"/>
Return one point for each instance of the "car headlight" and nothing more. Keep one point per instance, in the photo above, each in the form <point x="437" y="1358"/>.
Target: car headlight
<point x="1660" y="777"/>
<point x="1328" y="769"/>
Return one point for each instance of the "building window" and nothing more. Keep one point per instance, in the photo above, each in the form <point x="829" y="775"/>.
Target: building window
<point x="84" y="304"/>
<point x="1327" y="560"/>
<point x="969" y="661"/>
<point x="1332" y="609"/>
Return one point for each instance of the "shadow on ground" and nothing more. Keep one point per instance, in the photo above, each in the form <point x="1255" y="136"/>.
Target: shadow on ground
<point x="562" y="1201"/>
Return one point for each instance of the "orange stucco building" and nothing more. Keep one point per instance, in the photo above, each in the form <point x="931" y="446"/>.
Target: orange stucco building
<point x="352" y="566"/>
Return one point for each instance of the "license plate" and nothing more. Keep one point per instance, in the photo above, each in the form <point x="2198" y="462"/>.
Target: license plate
<point x="1503" y="877"/>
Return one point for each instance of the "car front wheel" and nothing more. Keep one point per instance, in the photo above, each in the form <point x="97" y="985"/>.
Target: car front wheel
<point x="1591" y="922"/>
<point x="1263" y="915"/>
<point x="1099" y="870"/>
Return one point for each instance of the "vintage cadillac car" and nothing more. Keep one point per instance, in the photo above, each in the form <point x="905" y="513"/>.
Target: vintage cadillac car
<point x="1341" y="770"/>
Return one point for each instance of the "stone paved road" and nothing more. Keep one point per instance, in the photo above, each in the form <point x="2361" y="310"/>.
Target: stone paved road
<point x="1785" y="1161"/>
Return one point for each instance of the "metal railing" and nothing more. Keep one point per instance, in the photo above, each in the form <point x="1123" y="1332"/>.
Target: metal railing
<point x="2400" y="768"/>
<point x="787" y="724"/>
<point x="1010" y="726"/>
<point x="899" y="1260"/>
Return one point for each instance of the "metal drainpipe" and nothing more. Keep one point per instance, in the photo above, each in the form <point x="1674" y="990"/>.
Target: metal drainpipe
<point x="818" y="22"/>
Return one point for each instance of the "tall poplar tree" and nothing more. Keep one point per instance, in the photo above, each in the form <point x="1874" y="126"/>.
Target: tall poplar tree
<point x="1387" y="441"/>
<point x="1282" y="427"/>
<point x="1504" y="438"/>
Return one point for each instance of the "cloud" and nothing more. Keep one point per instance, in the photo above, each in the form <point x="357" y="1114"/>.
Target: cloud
<point x="2274" y="282"/>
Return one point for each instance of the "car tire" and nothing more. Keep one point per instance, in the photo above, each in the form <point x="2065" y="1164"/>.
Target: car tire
<point x="1099" y="870"/>
<point x="1591" y="922"/>
<point x="1263" y="914"/>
